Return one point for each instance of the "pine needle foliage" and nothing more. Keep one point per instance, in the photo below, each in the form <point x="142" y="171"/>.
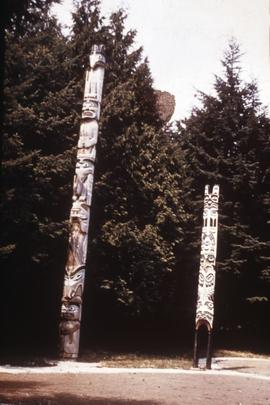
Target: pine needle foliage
<point x="137" y="217"/>
<point x="226" y="142"/>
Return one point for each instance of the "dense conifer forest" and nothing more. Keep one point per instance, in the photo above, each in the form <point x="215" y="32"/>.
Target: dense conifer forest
<point x="146" y="217"/>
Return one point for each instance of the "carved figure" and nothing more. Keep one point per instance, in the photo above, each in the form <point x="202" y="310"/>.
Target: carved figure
<point x="83" y="180"/>
<point x="88" y="140"/>
<point x="90" y="107"/>
<point x="80" y="211"/>
<point x="94" y="84"/>
<point x="97" y="57"/>
<point x="95" y="76"/>
<point x="74" y="282"/>
<point x="207" y="274"/>
<point x="71" y="311"/>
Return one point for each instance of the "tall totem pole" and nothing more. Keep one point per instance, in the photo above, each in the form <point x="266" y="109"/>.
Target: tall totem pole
<point x="71" y="309"/>
<point x="207" y="272"/>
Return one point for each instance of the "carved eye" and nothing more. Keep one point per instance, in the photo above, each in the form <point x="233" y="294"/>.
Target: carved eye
<point x="210" y="279"/>
<point x="201" y="278"/>
<point x="77" y="276"/>
<point x="211" y="258"/>
<point x="73" y="308"/>
<point x="210" y="304"/>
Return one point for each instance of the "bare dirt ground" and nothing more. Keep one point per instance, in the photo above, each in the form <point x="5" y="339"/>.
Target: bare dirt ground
<point x="232" y="381"/>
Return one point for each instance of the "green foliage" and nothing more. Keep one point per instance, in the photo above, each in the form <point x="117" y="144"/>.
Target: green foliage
<point x="141" y="220"/>
<point x="146" y="214"/>
<point x="135" y="227"/>
<point x="226" y="142"/>
<point x="137" y="216"/>
<point x="21" y="16"/>
<point x="38" y="131"/>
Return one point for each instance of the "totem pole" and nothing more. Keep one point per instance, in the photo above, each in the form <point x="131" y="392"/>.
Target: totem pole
<point x="71" y="308"/>
<point x="207" y="273"/>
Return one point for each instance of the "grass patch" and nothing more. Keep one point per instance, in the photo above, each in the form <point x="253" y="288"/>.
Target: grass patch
<point x="183" y="359"/>
<point x="239" y="353"/>
<point x="138" y="360"/>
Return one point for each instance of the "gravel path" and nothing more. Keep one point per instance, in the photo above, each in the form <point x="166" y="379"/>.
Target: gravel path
<point x="232" y="381"/>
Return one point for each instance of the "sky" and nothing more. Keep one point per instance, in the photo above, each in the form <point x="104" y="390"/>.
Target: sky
<point x="184" y="41"/>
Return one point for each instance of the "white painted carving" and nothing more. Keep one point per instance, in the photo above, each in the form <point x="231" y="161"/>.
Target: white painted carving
<point x="83" y="180"/>
<point x="88" y="139"/>
<point x="207" y="273"/>
<point x="71" y="308"/>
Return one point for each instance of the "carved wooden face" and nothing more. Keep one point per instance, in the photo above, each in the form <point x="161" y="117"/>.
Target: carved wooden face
<point x="70" y="318"/>
<point x="97" y="57"/>
<point x="205" y="311"/>
<point x="205" y="303"/>
<point x="208" y="243"/>
<point x="73" y="284"/>
<point x="90" y="108"/>
<point x="206" y="261"/>
<point x="207" y="281"/>
<point x="70" y="311"/>
<point x="72" y="299"/>
<point x="211" y="201"/>
<point x="84" y="167"/>
<point x="80" y="213"/>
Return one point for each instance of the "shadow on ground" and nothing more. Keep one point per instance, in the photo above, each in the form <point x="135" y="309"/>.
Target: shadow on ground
<point x="63" y="399"/>
<point x="19" y="361"/>
<point x="235" y="368"/>
<point x="6" y="386"/>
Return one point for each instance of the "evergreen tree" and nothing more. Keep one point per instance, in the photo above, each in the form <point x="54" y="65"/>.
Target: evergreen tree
<point x="20" y="16"/>
<point x="38" y="137"/>
<point x="136" y="223"/>
<point x="226" y="142"/>
<point x="17" y="17"/>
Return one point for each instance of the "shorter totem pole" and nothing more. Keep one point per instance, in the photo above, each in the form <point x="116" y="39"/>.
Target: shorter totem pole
<point x="71" y="309"/>
<point x="207" y="273"/>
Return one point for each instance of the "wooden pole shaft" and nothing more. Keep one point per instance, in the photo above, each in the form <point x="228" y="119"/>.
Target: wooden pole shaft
<point x="71" y="309"/>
